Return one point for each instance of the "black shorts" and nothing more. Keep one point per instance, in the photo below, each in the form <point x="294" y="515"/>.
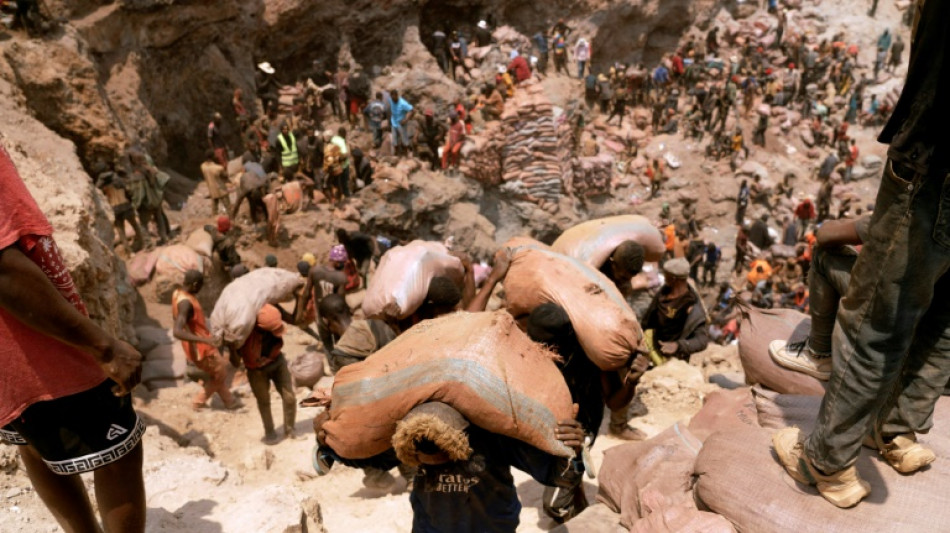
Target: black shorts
<point x="79" y="433"/>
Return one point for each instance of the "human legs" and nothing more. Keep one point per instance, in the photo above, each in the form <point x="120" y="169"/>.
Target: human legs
<point x="283" y="382"/>
<point x="905" y="257"/>
<point x="926" y="371"/>
<point x="64" y="496"/>
<point x="828" y="280"/>
<point x="214" y="366"/>
<point x="223" y="200"/>
<point x="260" y="386"/>
<point x="120" y="493"/>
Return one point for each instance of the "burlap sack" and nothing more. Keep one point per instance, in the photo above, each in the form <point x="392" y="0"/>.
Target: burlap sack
<point x="776" y="411"/>
<point x="479" y="363"/>
<point x="235" y="312"/>
<point x="402" y="278"/>
<point x="171" y="263"/>
<point x="606" y="326"/>
<point x="659" y="469"/>
<point x="593" y="241"/>
<point x="293" y="196"/>
<point x="201" y="242"/>
<point x="517" y="243"/>
<point x="759" y="327"/>
<point x="307" y="368"/>
<point x="682" y="519"/>
<point x="724" y="410"/>
<point x="596" y="518"/>
<point x="739" y="478"/>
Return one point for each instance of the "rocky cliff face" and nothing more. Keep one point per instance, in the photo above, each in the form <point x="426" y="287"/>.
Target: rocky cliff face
<point x="50" y="167"/>
<point x="152" y="71"/>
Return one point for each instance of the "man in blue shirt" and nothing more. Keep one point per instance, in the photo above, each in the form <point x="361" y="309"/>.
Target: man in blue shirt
<point x="399" y="117"/>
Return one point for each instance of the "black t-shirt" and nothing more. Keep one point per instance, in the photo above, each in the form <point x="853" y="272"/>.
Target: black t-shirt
<point x="359" y="247"/>
<point x="477" y="495"/>
<point x="915" y="130"/>
<point x="670" y="316"/>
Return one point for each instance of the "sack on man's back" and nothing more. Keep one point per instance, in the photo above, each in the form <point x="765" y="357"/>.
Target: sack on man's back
<point x="479" y="363"/>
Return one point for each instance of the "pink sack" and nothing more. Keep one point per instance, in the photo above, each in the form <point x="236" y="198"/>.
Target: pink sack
<point x="402" y="278"/>
<point x="595" y="240"/>
<point x="141" y="267"/>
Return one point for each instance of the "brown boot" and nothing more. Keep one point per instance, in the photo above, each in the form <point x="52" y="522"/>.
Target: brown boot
<point x="902" y="452"/>
<point x="843" y="488"/>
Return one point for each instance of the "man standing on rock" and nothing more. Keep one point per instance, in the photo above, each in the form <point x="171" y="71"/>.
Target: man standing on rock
<point x="891" y="341"/>
<point x="289" y="155"/>
<point x="113" y="186"/>
<point x="453" y="147"/>
<point x="65" y="383"/>
<point x="192" y="330"/>
<point x="216" y="140"/>
<point x="399" y="117"/>
<point x="375" y="113"/>
<point x="216" y="177"/>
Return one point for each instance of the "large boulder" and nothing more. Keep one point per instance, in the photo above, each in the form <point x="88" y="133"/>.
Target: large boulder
<point x="80" y="216"/>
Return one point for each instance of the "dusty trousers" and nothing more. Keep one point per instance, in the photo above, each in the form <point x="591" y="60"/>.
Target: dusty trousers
<point x="828" y="280"/>
<point x="891" y="341"/>
<point x="260" y="380"/>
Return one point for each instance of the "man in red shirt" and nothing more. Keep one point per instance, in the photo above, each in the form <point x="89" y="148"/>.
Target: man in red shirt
<point x="805" y="213"/>
<point x="64" y="383"/>
<point x="519" y="67"/>
<point x="454" y="142"/>
<point x="265" y="363"/>
<point x="850" y="161"/>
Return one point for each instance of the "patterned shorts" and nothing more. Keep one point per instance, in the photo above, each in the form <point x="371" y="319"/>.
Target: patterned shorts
<point x="79" y="433"/>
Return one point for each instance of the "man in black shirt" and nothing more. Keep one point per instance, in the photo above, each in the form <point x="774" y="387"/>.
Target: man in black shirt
<point x="891" y="342"/>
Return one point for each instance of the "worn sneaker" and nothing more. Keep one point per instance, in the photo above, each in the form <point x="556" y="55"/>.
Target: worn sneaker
<point x="902" y="452"/>
<point x="798" y="356"/>
<point x="625" y="432"/>
<point x="843" y="488"/>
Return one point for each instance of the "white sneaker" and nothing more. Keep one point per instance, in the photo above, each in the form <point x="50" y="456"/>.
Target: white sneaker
<point x="799" y="357"/>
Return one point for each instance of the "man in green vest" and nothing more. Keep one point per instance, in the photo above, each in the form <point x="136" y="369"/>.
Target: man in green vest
<point x="289" y="157"/>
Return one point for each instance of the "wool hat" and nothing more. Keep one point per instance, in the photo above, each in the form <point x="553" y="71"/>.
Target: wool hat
<point x="677" y="268"/>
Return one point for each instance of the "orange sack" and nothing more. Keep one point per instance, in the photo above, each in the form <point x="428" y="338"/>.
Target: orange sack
<point x="606" y="326"/>
<point x="479" y="363"/>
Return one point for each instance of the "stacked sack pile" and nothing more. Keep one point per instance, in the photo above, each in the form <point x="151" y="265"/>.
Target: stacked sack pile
<point x="528" y="152"/>
<point x="592" y="175"/>
<point x="717" y="473"/>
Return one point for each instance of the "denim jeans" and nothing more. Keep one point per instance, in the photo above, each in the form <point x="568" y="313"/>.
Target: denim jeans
<point x="891" y="342"/>
<point x="828" y="280"/>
